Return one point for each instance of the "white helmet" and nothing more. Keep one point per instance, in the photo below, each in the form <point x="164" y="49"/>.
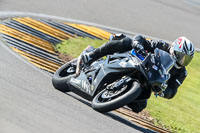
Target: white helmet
<point x="183" y="51"/>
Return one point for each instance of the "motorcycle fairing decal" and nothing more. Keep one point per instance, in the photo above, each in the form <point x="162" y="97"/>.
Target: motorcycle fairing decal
<point x="123" y="64"/>
<point x="75" y="81"/>
<point x="82" y="85"/>
<point x="155" y="67"/>
<point x="92" y="88"/>
<point x="87" y="87"/>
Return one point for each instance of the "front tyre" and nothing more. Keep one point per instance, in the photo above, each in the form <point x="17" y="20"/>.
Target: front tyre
<point x="63" y="74"/>
<point x="105" y="101"/>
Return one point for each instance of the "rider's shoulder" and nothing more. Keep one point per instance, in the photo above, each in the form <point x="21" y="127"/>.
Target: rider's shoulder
<point x="127" y="40"/>
<point x="119" y="36"/>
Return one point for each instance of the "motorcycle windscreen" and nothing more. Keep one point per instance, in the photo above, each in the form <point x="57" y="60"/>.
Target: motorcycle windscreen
<point x="165" y="59"/>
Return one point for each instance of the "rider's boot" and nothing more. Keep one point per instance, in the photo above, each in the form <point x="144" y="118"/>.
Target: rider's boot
<point x="85" y="56"/>
<point x="138" y="106"/>
<point x="84" y="59"/>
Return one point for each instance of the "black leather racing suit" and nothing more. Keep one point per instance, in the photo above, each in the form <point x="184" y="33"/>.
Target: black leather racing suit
<point x="122" y="44"/>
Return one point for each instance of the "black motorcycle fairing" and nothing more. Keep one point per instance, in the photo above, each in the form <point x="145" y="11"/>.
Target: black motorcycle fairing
<point x="93" y="77"/>
<point x="159" y="64"/>
<point x="92" y="82"/>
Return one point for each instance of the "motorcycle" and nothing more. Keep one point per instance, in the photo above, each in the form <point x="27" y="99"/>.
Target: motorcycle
<point x="118" y="80"/>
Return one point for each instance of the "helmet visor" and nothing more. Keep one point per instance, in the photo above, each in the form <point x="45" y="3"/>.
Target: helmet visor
<point x="182" y="58"/>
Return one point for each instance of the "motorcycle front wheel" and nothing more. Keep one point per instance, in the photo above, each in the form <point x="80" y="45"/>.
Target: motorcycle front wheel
<point x="63" y="74"/>
<point x="108" y="100"/>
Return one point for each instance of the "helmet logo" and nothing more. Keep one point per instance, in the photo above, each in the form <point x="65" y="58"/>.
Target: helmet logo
<point x="179" y="42"/>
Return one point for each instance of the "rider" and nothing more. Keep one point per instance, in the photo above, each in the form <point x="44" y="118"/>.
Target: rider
<point x="182" y="50"/>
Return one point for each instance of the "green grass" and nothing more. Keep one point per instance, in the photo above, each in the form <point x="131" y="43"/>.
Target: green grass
<point x="75" y="46"/>
<point x="180" y="114"/>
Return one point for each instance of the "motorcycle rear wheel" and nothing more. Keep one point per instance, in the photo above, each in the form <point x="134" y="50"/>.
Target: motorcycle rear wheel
<point x="62" y="75"/>
<point x="101" y="103"/>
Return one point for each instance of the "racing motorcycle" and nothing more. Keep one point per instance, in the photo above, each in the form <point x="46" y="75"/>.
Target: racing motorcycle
<point x="117" y="80"/>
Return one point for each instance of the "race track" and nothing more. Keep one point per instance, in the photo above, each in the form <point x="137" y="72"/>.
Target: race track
<point x="157" y="18"/>
<point x="28" y="100"/>
<point x="29" y="103"/>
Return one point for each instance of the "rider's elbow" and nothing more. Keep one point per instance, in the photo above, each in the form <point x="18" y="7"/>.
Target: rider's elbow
<point x="169" y="93"/>
<point x="169" y="96"/>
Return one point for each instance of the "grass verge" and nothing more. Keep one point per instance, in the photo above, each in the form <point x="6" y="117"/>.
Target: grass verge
<point x="180" y="114"/>
<point x="74" y="46"/>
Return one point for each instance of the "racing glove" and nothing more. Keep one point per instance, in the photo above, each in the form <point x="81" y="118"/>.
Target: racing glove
<point x="137" y="46"/>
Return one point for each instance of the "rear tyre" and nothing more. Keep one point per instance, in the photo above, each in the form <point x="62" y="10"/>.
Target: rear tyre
<point x="63" y="74"/>
<point x="102" y="102"/>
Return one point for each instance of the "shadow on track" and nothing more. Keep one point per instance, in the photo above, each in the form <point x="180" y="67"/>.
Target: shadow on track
<point x="114" y="116"/>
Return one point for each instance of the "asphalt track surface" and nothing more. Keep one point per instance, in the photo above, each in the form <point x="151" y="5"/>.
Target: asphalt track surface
<point x="28" y="100"/>
<point x="158" y="18"/>
<point x="29" y="103"/>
